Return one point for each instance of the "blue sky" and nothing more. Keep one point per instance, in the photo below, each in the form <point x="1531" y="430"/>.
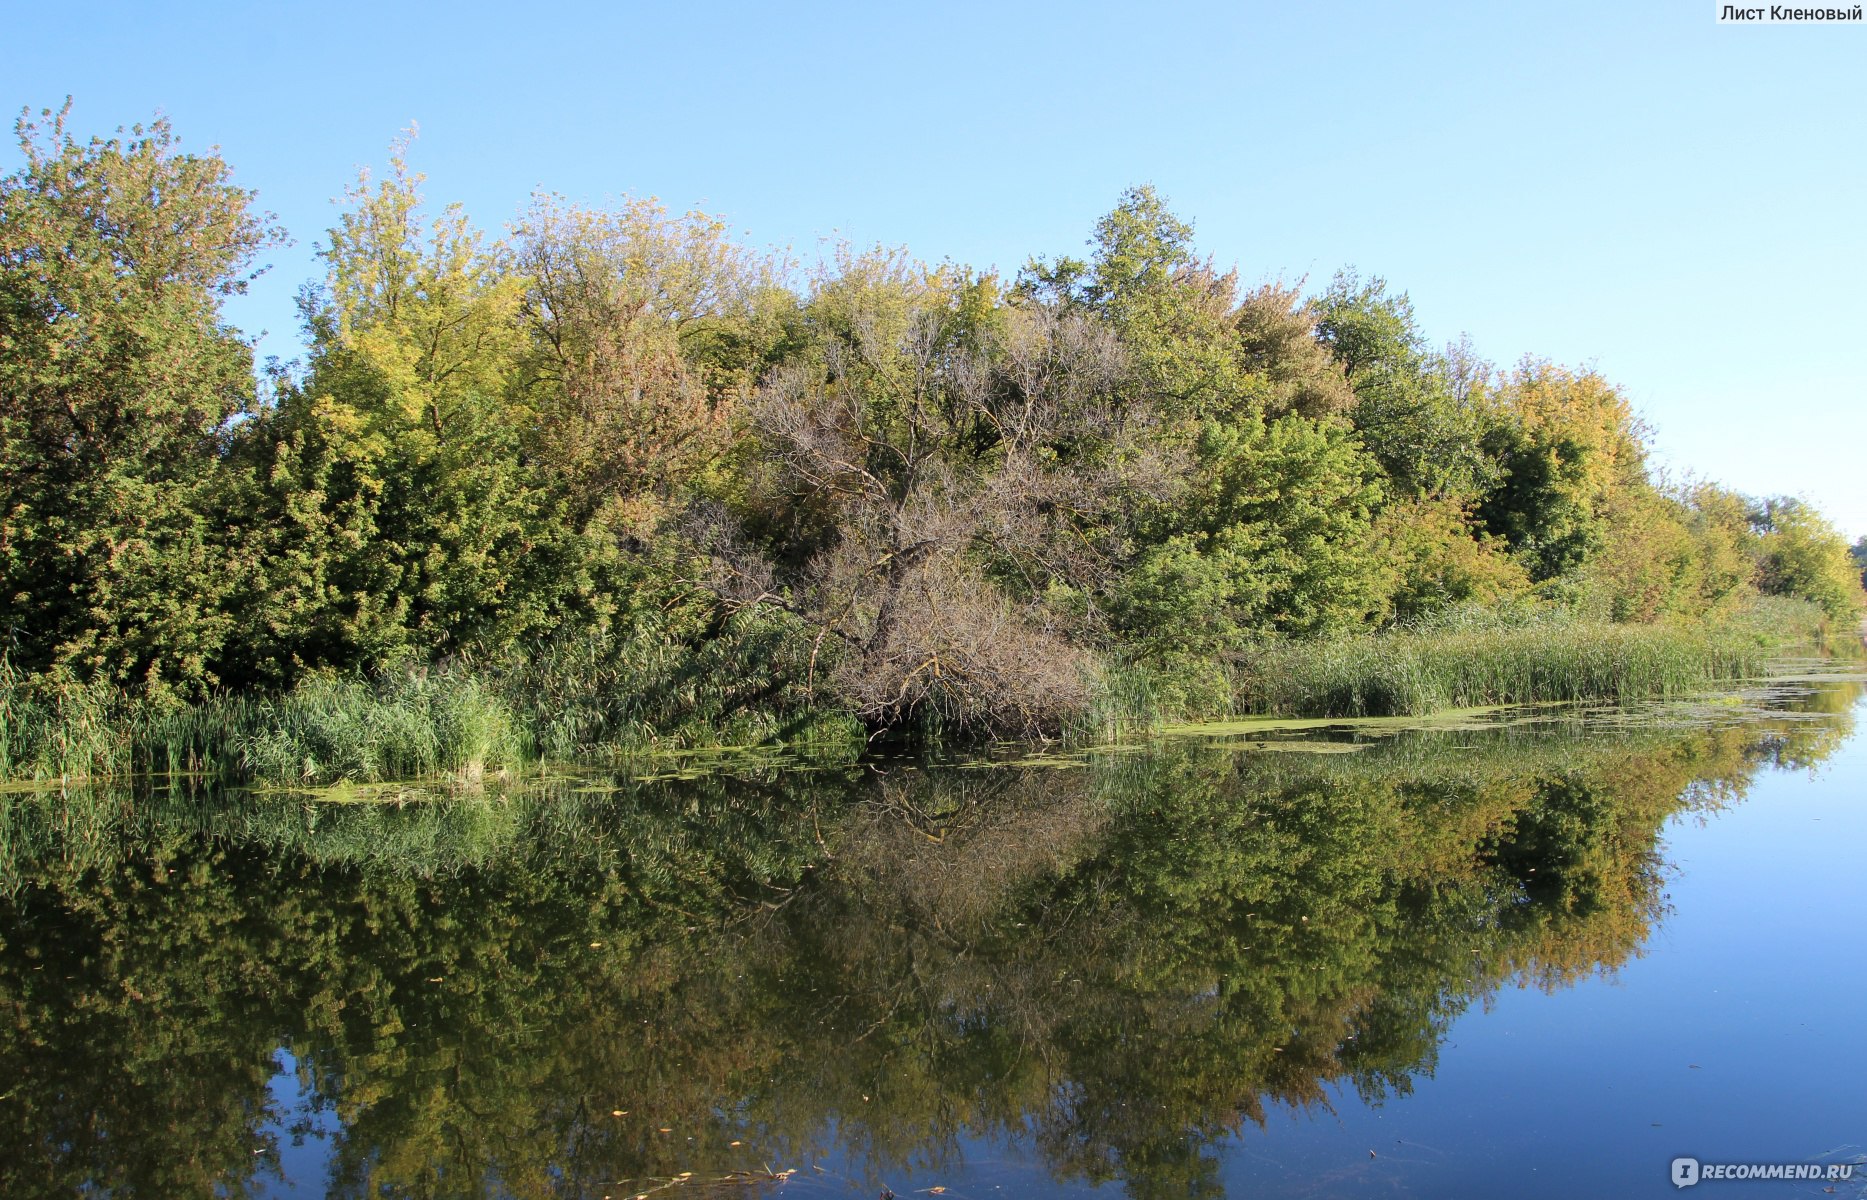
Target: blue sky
<point x="1628" y="186"/>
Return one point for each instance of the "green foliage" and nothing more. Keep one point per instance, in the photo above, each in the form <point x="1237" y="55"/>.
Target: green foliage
<point x="1272" y="535"/>
<point x="1565" y="443"/>
<point x="1804" y="556"/>
<point x="119" y="381"/>
<point x="1284" y="348"/>
<point x="1265" y="525"/>
<point x="399" y="516"/>
<point x="645" y="332"/>
<point x="1175" y="315"/>
<point x="1723" y="562"/>
<point x="1648" y="565"/>
<point x="1421" y="416"/>
<point x="1437" y="561"/>
<point x="689" y="679"/>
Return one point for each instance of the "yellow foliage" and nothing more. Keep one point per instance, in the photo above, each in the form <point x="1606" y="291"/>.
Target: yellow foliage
<point x="1437" y="560"/>
<point x="433" y="319"/>
<point x="1582" y="409"/>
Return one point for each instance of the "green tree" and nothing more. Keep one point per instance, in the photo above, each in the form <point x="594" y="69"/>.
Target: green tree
<point x="1565" y="442"/>
<point x="119" y="384"/>
<point x="1724" y="553"/>
<point x="1801" y="554"/>
<point x="1420" y="414"/>
<point x="399" y="516"/>
<point x="1172" y="312"/>
<point x="1435" y="562"/>
<point x="1270" y="534"/>
<point x="1267" y="526"/>
<point x="647" y="334"/>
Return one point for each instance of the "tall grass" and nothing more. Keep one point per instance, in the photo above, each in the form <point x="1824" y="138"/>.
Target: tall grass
<point x="1412" y="672"/>
<point x="58" y="728"/>
<point x="580" y="696"/>
<point x="403" y="724"/>
<point x="1783" y="622"/>
<point x="1124" y="698"/>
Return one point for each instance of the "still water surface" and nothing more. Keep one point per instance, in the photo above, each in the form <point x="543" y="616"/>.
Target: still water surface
<point x="1536" y="953"/>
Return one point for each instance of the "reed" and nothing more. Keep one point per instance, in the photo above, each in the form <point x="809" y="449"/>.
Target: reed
<point x="1785" y="622"/>
<point x="752" y="680"/>
<point x="1413" y="672"/>
<point x="54" y="729"/>
<point x="405" y="724"/>
<point x="402" y="724"/>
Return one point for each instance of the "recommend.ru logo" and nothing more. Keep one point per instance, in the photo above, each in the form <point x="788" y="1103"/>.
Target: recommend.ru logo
<point x="1689" y="1171"/>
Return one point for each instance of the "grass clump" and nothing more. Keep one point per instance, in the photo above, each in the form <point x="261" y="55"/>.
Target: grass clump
<point x="1787" y="622"/>
<point x="1416" y="671"/>
<point x="56" y="728"/>
<point x="402" y="725"/>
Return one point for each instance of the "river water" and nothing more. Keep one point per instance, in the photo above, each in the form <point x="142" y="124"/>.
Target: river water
<point x="1537" y="952"/>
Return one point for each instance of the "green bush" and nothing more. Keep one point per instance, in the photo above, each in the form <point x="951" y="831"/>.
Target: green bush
<point x="748" y="680"/>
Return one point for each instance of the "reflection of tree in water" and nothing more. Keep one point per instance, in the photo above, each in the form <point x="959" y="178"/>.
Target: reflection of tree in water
<point x="1122" y="963"/>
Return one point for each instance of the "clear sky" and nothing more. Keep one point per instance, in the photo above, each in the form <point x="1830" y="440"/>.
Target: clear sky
<point x="1627" y="185"/>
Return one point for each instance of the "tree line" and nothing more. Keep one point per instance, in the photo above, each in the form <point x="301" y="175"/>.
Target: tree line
<point x="615" y="437"/>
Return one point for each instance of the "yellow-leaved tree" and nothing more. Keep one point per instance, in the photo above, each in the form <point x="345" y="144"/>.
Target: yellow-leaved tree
<point x="402" y="518"/>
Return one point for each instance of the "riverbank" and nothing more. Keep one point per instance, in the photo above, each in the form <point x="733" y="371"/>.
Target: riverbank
<point x="479" y="721"/>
